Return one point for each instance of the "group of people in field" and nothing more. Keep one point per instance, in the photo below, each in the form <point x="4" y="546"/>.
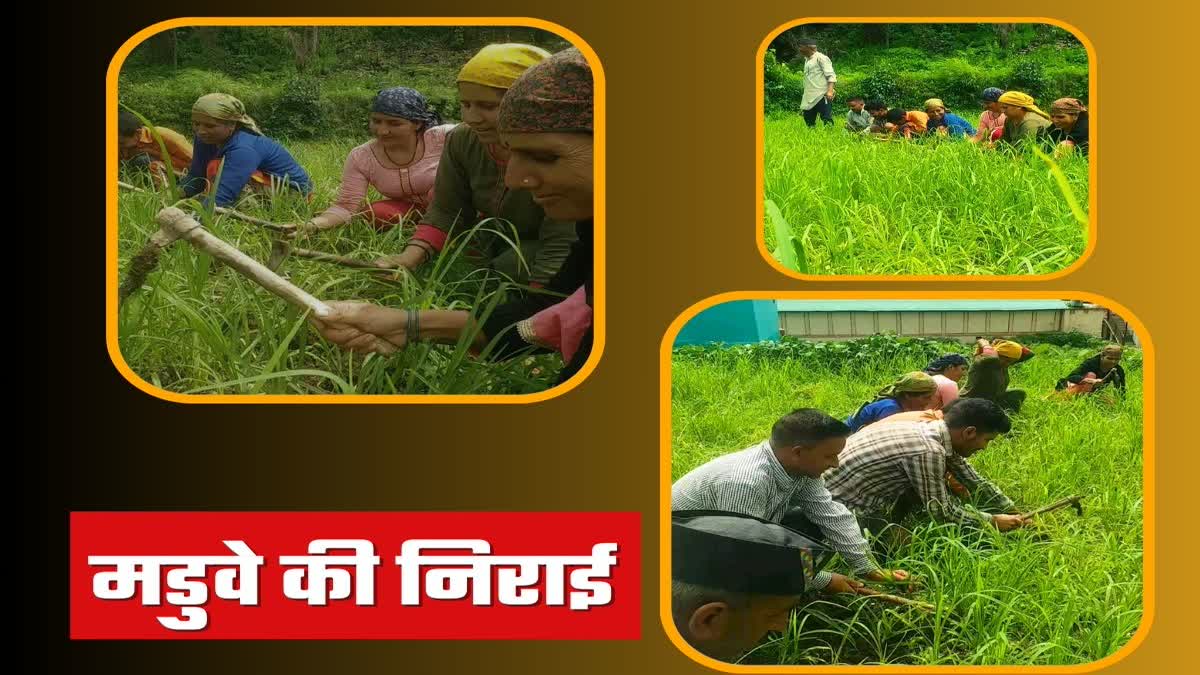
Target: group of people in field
<point x="754" y="530"/>
<point x="515" y="175"/>
<point x="1009" y="118"/>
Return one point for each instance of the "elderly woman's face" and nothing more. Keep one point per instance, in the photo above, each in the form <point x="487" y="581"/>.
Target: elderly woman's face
<point x="480" y="106"/>
<point x="212" y="130"/>
<point x="936" y="112"/>
<point x="556" y="168"/>
<point x="1063" y="120"/>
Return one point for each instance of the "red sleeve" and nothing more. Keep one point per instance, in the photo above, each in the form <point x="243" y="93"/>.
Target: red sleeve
<point x="430" y="235"/>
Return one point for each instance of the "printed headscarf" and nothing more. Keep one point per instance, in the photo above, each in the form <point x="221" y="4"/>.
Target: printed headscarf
<point x="553" y="96"/>
<point x="408" y="104"/>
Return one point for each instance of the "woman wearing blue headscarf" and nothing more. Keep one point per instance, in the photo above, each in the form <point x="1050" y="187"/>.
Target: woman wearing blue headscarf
<point x="991" y="122"/>
<point x="401" y="163"/>
<point x="947" y="371"/>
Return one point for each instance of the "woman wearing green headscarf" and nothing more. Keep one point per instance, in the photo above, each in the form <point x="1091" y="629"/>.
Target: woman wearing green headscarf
<point x="914" y="391"/>
<point x="229" y="142"/>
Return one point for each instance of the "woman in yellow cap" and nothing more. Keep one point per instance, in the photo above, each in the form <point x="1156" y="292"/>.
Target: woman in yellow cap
<point x="988" y="377"/>
<point x="1023" y="120"/>
<point x="470" y="180"/>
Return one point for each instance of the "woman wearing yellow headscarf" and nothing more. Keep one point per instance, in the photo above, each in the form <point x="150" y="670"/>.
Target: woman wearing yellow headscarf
<point x="548" y="112"/>
<point x="470" y="181"/>
<point x="988" y="377"/>
<point x="914" y="391"/>
<point x="1023" y="120"/>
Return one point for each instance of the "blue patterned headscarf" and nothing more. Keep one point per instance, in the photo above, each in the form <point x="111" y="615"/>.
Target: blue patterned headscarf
<point x="940" y="364"/>
<point x="408" y="104"/>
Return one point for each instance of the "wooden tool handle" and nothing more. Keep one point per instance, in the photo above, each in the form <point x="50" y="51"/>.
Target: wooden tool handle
<point x="183" y="226"/>
<point x="1062" y="503"/>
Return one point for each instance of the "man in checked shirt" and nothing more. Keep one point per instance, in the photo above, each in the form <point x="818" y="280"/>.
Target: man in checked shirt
<point x="779" y="480"/>
<point x="890" y="470"/>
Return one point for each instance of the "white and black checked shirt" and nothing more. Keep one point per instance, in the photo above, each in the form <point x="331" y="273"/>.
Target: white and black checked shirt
<point x="882" y="462"/>
<point x="753" y="482"/>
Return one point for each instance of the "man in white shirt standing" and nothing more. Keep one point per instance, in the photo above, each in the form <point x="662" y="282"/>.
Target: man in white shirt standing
<point x="819" y="81"/>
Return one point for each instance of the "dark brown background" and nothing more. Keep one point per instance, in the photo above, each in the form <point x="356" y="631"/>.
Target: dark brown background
<point x="681" y="227"/>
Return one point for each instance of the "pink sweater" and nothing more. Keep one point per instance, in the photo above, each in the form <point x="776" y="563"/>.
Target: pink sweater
<point x="947" y="391"/>
<point x="413" y="184"/>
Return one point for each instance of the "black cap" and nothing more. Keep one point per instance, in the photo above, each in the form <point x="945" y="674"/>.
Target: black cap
<point x="739" y="553"/>
<point x="806" y="42"/>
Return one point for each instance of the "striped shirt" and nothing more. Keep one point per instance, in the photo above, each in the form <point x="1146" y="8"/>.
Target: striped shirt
<point x="884" y="461"/>
<point x="753" y="482"/>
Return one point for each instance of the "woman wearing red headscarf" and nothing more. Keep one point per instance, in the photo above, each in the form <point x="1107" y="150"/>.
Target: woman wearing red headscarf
<point x="1070" y="130"/>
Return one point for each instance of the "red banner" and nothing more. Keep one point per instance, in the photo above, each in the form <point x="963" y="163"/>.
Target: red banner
<point x="345" y="575"/>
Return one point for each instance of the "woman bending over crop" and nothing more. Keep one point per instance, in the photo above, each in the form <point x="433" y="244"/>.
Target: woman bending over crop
<point x="1095" y="373"/>
<point x="228" y="142"/>
<point x="947" y="371"/>
<point x="470" y="185"/>
<point x="400" y="163"/>
<point x="914" y="391"/>
<point x="545" y="120"/>
<point x="989" y="374"/>
<point x="1070" y="131"/>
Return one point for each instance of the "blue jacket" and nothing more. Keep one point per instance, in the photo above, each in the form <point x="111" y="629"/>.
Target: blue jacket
<point x="872" y="412"/>
<point x="956" y="126"/>
<point x="244" y="153"/>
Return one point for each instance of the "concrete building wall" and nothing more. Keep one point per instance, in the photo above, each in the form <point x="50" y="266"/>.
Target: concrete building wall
<point x="959" y="321"/>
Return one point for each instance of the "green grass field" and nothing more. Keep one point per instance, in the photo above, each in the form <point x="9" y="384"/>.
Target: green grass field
<point x="199" y="327"/>
<point x="859" y="205"/>
<point x="1069" y="592"/>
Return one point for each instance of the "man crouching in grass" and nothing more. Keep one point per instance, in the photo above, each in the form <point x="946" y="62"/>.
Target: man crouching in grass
<point x="889" y="470"/>
<point x="779" y="480"/>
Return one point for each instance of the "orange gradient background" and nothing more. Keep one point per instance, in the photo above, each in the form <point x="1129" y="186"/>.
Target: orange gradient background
<point x="681" y="217"/>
